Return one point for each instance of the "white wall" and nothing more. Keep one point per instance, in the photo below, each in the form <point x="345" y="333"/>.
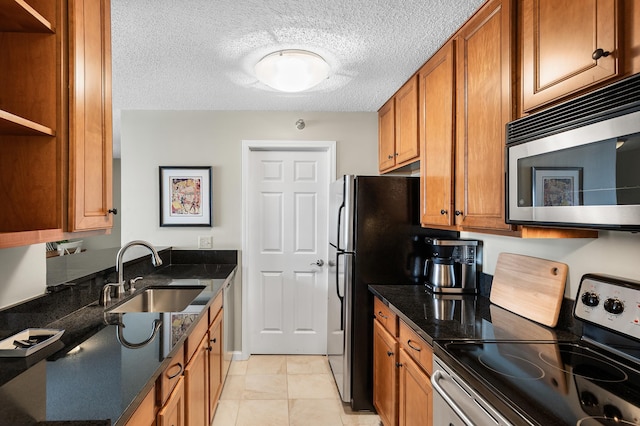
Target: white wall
<point x="200" y="138"/>
<point x="613" y="253"/>
<point x="23" y="275"/>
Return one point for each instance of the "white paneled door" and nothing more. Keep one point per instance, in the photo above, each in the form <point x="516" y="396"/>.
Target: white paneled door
<point x="287" y="207"/>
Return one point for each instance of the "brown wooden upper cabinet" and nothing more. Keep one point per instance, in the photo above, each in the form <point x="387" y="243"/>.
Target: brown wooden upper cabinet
<point x="437" y="132"/>
<point x="567" y="46"/>
<point x="484" y="105"/>
<point x="90" y="116"/>
<point x="398" y="143"/>
<point x="55" y="119"/>
<point x="462" y="123"/>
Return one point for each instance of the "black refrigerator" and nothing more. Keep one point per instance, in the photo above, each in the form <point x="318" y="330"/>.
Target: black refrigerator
<point x="373" y="226"/>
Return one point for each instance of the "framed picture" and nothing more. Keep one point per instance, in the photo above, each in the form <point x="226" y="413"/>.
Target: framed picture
<point x="185" y="196"/>
<point x="557" y="186"/>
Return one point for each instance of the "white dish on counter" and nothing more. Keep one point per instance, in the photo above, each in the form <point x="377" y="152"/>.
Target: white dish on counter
<point x="8" y="348"/>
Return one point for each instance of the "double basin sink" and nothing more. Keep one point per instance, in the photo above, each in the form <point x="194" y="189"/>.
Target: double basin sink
<point x="159" y="299"/>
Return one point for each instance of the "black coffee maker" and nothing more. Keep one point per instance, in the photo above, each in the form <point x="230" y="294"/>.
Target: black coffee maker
<point x="453" y="266"/>
<point x="419" y="254"/>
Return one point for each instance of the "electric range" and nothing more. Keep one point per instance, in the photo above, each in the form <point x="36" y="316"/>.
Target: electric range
<point x="526" y="376"/>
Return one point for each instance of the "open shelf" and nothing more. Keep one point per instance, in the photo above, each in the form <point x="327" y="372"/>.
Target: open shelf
<point x="11" y="124"/>
<point x="18" y="16"/>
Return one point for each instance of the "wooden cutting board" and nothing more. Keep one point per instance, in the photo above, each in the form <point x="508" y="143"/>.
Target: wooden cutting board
<point x="529" y="286"/>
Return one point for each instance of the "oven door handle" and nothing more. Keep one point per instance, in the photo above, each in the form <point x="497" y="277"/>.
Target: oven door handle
<point x="437" y="375"/>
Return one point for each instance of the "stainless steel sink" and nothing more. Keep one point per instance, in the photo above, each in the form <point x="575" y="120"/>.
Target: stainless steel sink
<point x="160" y="299"/>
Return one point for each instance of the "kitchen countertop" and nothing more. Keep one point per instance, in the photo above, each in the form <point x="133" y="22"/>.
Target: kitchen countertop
<point x="88" y="377"/>
<point x="437" y="317"/>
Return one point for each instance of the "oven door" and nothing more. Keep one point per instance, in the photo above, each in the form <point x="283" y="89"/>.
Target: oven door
<point x="456" y="404"/>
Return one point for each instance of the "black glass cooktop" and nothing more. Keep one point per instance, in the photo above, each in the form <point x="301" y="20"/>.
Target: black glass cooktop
<point x="553" y="383"/>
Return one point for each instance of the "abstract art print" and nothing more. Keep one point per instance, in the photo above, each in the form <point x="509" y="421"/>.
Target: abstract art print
<point x="185" y="196"/>
<point x="557" y="186"/>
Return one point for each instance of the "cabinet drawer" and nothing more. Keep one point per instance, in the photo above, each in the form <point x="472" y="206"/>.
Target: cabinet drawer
<point x="215" y="308"/>
<point x="171" y="375"/>
<point x="416" y="347"/>
<point x="386" y="316"/>
<point x="194" y="339"/>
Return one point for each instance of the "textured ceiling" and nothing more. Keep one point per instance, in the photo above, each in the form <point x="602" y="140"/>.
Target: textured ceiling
<point x="199" y="54"/>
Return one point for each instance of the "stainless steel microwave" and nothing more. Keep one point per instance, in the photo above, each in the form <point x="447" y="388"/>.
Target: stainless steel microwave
<point x="577" y="164"/>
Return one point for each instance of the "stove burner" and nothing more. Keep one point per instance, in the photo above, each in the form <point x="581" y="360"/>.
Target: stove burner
<point x="589" y="367"/>
<point x="524" y="369"/>
<point x="603" y="421"/>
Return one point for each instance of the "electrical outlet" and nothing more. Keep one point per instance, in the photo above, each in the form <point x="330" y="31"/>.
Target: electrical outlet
<point x="205" y="241"/>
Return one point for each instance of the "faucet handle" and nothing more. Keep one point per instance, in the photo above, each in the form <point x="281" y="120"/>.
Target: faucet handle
<point x="106" y="293"/>
<point x="132" y="281"/>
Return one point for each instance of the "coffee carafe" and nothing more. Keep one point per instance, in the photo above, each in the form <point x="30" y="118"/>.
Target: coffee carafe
<point x="442" y="272"/>
<point x="453" y="266"/>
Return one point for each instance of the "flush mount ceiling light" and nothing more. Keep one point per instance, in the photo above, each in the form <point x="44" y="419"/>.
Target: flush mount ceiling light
<point x="292" y="70"/>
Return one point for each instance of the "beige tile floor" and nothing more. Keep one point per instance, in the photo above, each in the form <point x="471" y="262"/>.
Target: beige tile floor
<point x="284" y="390"/>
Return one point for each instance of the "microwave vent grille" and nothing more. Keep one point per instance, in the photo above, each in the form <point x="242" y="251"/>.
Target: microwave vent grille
<point x="614" y="100"/>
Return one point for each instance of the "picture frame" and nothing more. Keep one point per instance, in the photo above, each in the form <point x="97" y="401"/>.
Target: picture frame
<point x="557" y="186"/>
<point x="185" y="196"/>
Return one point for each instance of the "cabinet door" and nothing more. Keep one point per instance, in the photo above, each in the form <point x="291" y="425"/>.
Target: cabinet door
<point x="90" y="118"/>
<point x="386" y="136"/>
<point x="145" y="414"/>
<point x="559" y="39"/>
<point x="196" y="387"/>
<point x="172" y="414"/>
<point x="215" y="363"/>
<point x="437" y="93"/>
<point x="416" y="398"/>
<point x="483" y="86"/>
<point x="385" y="375"/>
<point x="407" y="144"/>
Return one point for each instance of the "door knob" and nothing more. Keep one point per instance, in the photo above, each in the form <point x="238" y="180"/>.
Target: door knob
<point x="318" y="262"/>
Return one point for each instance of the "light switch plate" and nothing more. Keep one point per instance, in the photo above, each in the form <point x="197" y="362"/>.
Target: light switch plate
<point x="205" y="241"/>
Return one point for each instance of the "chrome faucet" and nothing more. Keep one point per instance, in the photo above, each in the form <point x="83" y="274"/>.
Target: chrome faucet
<point x="119" y="286"/>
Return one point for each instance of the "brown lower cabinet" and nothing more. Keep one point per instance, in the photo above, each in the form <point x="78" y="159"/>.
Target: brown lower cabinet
<point x="415" y="396"/>
<point x="196" y="389"/>
<point x="385" y="374"/>
<point x="173" y="412"/>
<point x="216" y="361"/>
<point x="187" y="392"/>
<point x="145" y="414"/>
<point x="402" y="392"/>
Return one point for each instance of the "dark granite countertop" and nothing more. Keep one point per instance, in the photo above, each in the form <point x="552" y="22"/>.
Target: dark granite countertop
<point x="88" y="377"/>
<point x="438" y="317"/>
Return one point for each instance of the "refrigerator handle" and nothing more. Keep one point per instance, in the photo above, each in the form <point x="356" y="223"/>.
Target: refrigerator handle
<point x="340" y="209"/>
<point x="338" y="254"/>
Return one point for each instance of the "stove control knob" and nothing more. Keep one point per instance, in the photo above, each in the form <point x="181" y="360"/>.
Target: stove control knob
<point x="590" y="298"/>
<point x="612" y="412"/>
<point x="614" y="306"/>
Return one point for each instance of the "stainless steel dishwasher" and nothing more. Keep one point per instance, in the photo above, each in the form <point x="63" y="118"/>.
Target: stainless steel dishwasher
<point x="228" y="303"/>
<point x="456" y="404"/>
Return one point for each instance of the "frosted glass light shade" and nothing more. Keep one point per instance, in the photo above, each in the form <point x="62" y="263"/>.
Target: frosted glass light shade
<point x="292" y="70"/>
